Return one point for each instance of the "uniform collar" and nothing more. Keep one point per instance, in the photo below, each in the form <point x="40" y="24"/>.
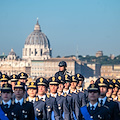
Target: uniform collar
<point x="104" y="99"/>
<point x="30" y="100"/>
<point x="80" y="89"/>
<point x="95" y="105"/>
<point x="4" y="103"/>
<point x="67" y="92"/>
<point x="43" y="97"/>
<point x="53" y="95"/>
<point x="21" y="101"/>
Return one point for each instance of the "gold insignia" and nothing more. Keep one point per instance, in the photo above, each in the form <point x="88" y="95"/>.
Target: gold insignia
<point x="53" y="79"/>
<point x="101" y="80"/>
<point x="32" y="83"/>
<point x="41" y="80"/>
<point x="73" y="77"/>
<point x="114" y="81"/>
<point x="36" y="99"/>
<point x="119" y="81"/>
<point x="3" y="76"/>
<point x="22" y="74"/>
<point x="78" y="75"/>
<point x="92" y="85"/>
<point x="66" y="77"/>
<point x="87" y="104"/>
<point x="18" y="83"/>
<point x="6" y="85"/>
<point x="108" y="80"/>
<point x="27" y="99"/>
<point x="13" y="76"/>
<point x="59" y="77"/>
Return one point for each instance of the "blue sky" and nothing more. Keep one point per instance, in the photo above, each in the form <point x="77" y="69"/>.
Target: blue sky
<point x="86" y="25"/>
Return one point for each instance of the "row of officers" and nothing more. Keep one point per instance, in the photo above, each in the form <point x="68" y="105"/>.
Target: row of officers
<point x="58" y="98"/>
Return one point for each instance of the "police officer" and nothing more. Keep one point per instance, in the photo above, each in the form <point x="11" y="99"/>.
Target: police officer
<point x="62" y="69"/>
<point x="103" y="100"/>
<point x="26" y="106"/>
<point x="13" y="79"/>
<point x="61" y="99"/>
<point x="75" y="97"/>
<point x="10" y="110"/>
<point x="51" y="104"/>
<point x="4" y="79"/>
<point x="23" y="78"/>
<point x="32" y="91"/>
<point x="93" y="110"/>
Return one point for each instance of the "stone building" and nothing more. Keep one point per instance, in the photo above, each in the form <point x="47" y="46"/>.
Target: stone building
<point x="37" y="45"/>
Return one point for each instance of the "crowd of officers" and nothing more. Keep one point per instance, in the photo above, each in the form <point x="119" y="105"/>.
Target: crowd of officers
<point x="61" y="97"/>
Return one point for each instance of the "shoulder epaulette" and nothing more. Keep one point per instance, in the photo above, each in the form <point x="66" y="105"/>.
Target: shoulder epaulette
<point x="108" y="99"/>
<point x="48" y="96"/>
<point x="13" y="101"/>
<point x="36" y="99"/>
<point x="106" y="106"/>
<point x="27" y="99"/>
<point x="24" y="101"/>
<point x="87" y="104"/>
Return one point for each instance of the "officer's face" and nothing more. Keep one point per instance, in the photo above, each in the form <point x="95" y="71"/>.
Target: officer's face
<point x="73" y="85"/>
<point x="53" y="88"/>
<point x="19" y="93"/>
<point x="80" y="83"/>
<point x="67" y="85"/>
<point x="6" y="96"/>
<point x="109" y="93"/>
<point x="41" y="90"/>
<point x="93" y="96"/>
<point x="103" y="91"/>
<point x="60" y="87"/>
<point x="32" y="92"/>
<point x="61" y="68"/>
<point x="3" y="82"/>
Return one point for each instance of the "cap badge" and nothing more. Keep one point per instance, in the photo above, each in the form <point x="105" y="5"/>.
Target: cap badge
<point x="3" y="76"/>
<point x="6" y="85"/>
<point x="41" y="80"/>
<point x="32" y="83"/>
<point x="53" y="79"/>
<point x="13" y="76"/>
<point x="101" y="80"/>
<point x="78" y="75"/>
<point x="22" y="74"/>
<point x="73" y="77"/>
<point x="18" y="83"/>
<point x="59" y="77"/>
<point x="66" y="77"/>
<point x="92" y="85"/>
<point x="114" y="81"/>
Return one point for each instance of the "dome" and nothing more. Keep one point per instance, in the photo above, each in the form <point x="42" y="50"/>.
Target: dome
<point x="12" y="52"/>
<point x="37" y="37"/>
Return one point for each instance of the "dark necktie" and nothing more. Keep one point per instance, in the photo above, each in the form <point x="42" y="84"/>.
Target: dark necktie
<point x="18" y="103"/>
<point x="32" y="101"/>
<point x="101" y="102"/>
<point x="6" y="106"/>
<point x="92" y="108"/>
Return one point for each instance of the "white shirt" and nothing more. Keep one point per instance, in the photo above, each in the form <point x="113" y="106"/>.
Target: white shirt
<point x="80" y="89"/>
<point x="43" y="97"/>
<point x="67" y="92"/>
<point x="30" y="100"/>
<point x="104" y="99"/>
<point x="53" y="95"/>
<point x="95" y="105"/>
<point x="21" y="101"/>
<point x="4" y="103"/>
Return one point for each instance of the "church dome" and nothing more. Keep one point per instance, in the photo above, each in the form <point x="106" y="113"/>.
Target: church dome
<point x="37" y="37"/>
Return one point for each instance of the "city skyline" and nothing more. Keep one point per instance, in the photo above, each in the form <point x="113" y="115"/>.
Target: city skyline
<point x="71" y="26"/>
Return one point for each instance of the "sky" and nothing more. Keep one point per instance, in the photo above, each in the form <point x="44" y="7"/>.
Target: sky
<point x="73" y="27"/>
